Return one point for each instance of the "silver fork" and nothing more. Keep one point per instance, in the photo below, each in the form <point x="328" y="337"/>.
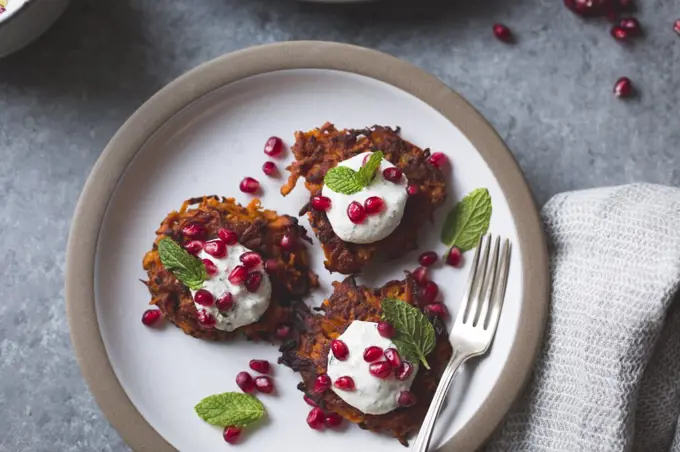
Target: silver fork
<point x="475" y="324"/>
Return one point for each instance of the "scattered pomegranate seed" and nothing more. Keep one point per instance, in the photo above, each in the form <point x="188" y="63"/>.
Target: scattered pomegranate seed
<point x="427" y="258"/>
<point x="253" y="281"/>
<point x="412" y="189"/>
<point x="282" y="331"/>
<point x="420" y="276"/>
<point x="205" y="318"/>
<point x="345" y="383"/>
<point x="309" y="400"/>
<point x="316" y="418"/>
<point x="273" y="146"/>
<point x="225" y="302"/>
<point x="286" y="242"/>
<point x="631" y="25"/>
<point x="322" y="383"/>
<point x="386" y="330"/>
<point x="227" y="236"/>
<point x="453" y="257"/>
<point x="381" y="369"/>
<point x="193" y="230"/>
<point x="437" y="310"/>
<point x="260" y="365"/>
<point x="406" y="399"/>
<point x="356" y="212"/>
<point x="216" y="248"/>
<point x="623" y="87"/>
<point x="204" y="298"/>
<point x="404" y="371"/>
<point x="504" y="34"/>
<point x="588" y="8"/>
<point x="373" y="353"/>
<point x="392" y="357"/>
<point x="618" y="33"/>
<point x="250" y="259"/>
<point x="193" y="247"/>
<point x="333" y="420"/>
<point x="231" y="434"/>
<point x="151" y="316"/>
<point x="249" y="185"/>
<point x="321" y="203"/>
<point x="430" y="292"/>
<point x="210" y="267"/>
<point x="676" y="26"/>
<point x="245" y="382"/>
<point x="392" y="174"/>
<point x="340" y="349"/>
<point x="271" y="266"/>
<point x="269" y="168"/>
<point x="238" y="275"/>
<point x="374" y="204"/>
<point x="264" y="384"/>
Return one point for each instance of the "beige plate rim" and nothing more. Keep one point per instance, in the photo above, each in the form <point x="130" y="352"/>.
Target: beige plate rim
<point x="214" y="74"/>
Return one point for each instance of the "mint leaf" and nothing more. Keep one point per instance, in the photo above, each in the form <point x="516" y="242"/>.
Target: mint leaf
<point x="366" y="173"/>
<point x="468" y="220"/>
<point x="415" y="336"/>
<point x="230" y="409"/>
<point x="342" y="180"/>
<point x="187" y="268"/>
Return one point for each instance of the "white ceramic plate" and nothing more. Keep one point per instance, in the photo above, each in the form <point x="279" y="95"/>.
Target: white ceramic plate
<point x="207" y="148"/>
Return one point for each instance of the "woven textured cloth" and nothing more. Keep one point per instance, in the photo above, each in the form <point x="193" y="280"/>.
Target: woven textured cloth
<point x="608" y="376"/>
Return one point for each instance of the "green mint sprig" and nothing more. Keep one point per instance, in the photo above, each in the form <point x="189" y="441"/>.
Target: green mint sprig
<point x="234" y="409"/>
<point x="415" y="336"/>
<point x="468" y="220"/>
<point x="342" y="179"/>
<point x="187" y="268"/>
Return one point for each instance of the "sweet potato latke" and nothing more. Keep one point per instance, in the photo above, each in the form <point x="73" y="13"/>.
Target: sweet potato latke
<point x="258" y="229"/>
<point x="321" y="149"/>
<point x="307" y="352"/>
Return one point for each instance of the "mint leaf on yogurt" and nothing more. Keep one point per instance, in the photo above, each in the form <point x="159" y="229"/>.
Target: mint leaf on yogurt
<point x="366" y="173"/>
<point x="415" y="336"/>
<point x="342" y="179"/>
<point x="468" y="220"/>
<point x="234" y="409"/>
<point x="187" y="268"/>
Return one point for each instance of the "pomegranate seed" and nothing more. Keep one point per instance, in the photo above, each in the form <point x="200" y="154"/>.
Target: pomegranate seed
<point x="231" y="434"/>
<point x="412" y="189"/>
<point x="356" y="212"/>
<point x="269" y="168"/>
<point x="623" y="87"/>
<point x="427" y="258"/>
<point x="392" y="357"/>
<point x="344" y="383"/>
<point x="193" y="230"/>
<point x="372" y="353"/>
<point x="309" y="400"/>
<point x="504" y="34"/>
<point x="245" y="382"/>
<point x="386" y="330"/>
<point x="250" y="259"/>
<point x="420" y="276"/>
<point x="404" y="371"/>
<point x="193" y="247"/>
<point x="380" y="369"/>
<point x="253" y="281"/>
<point x="316" y="418"/>
<point x="374" y="205"/>
<point x="271" y="266"/>
<point x="225" y="302"/>
<point x="260" y="365"/>
<point x="227" y="236"/>
<point x="340" y="350"/>
<point x="631" y="25"/>
<point x="676" y="26"/>
<point x="588" y="8"/>
<point x="333" y="420"/>
<point x="264" y="384"/>
<point x="238" y="275"/>
<point x="273" y="146"/>
<point x="210" y="267"/>
<point x="249" y="185"/>
<point x="321" y="203"/>
<point x="430" y="292"/>
<point x="453" y="257"/>
<point x="206" y="319"/>
<point x="406" y="399"/>
<point x="618" y="33"/>
<point x="437" y="310"/>
<point x="322" y="383"/>
<point x="216" y="248"/>
<point x="286" y="242"/>
<point x="282" y="331"/>
<point x="204" y="298"/>
<point x="392" y="174"/>
<point x="151" y="316"/>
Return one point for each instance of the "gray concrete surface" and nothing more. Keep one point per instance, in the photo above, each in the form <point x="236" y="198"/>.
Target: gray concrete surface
<point x="62" y="98"/>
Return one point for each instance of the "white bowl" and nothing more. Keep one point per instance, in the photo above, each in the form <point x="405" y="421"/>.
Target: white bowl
<point x="24" y="20"/>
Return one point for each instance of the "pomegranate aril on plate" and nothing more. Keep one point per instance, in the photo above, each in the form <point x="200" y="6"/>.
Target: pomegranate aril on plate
<point x="374" y="204"/>
<point x="392" y="174"/>
<point x="339" y="349"/>
<point x="618" y="33"/>
<point x="193" y="247"/>
<point x="345" y="383"/>
<point x="193" y="230"/>
<point x="404" y="371"/>
<point x="238" y="275"/>
<point x="264" y="384"/>
<point x="322" y="383"/>
<point x="260" y="365"/>
<point x="676" y="26"/>
<point x="631" y="25"/>
<point x="356" y="212"/>
<point x="406" y="399"/>
<point x="321" y="203"/>
<point x="249" y="185"/>
<point x="250" y="259"/>
<point x="309" y="401"/>
<point x="253" y="281"/>
<point x="373" y="353"/>
<point x="333" y="420"/>
<point x="231" y="434"/>
<point x="225" y="302"/>
<point x="216" y="248"/>
<point x="453" y="257"/>
<point x="269" y="168"/>
<point x="210" y="267"/>
<point x="245" y="382"/>
<point x="588" y="8"/>
<point x="227" y="236"/>
<point x="427" y="258"/>
<point x="503" y="33"/>
<point x="204" y="298"/>
<point x="381" y="369"/>
<point x="420" y="276"/>
<point x="623" y="87"/>
<point x="412" y="189"/>
<point x="205" y="319"/>
<point x="392" y="357"/>
<point x="316" y="418"/>
<point x="273" y="146"/>
<point x="386" y="330"/>
<point x="282" y="331"/>
<point x="437" y="310"/>
<point x="151" y="316"/>
<point x="286" y="242"/>
<point x="430" y="292"/>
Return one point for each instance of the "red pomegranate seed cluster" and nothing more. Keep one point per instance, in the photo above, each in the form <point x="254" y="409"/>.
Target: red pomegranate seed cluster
<point x="429" y="294"/>
<point x="318" y="419"/>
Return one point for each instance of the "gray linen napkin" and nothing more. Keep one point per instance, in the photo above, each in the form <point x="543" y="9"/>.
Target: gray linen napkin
<point x="608" y="376"/>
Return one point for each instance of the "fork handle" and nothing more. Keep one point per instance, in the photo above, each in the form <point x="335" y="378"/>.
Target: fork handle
<point x="423" y="440"/>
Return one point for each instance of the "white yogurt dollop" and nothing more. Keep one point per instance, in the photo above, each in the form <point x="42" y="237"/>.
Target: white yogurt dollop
<point x="375" y="227"/>
<point x="247" y="307"/>
<point x="372" y="394"/>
